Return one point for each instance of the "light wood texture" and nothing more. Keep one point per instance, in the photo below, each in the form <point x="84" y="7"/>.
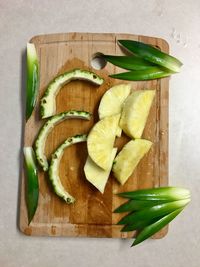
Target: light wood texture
<point x="91" y="215"/>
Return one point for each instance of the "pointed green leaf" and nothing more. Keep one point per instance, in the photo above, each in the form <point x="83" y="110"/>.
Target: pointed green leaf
<point x="142" y="75"/>
<point x="161" y="193"/>
<point x="32" y="79"/>
<point x="153" y="212"/>
<point x="155" y="227"/>
<point x="133" y="205"/>
<point x="129" y="62"/>
<point x="152" y="54"/>
<point x="32" y="185"/>
<point x="138" y="225"/>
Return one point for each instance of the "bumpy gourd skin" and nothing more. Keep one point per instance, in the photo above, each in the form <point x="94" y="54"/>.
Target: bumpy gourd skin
<point x="48" y="101"/>
<point x="54" y="167"/>
<point x="48" y="126"/>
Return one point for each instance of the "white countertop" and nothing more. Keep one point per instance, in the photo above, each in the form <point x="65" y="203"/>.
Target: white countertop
<point x="178" y="22"/>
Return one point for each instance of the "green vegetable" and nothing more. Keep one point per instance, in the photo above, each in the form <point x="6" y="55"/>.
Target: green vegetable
<point x="152" y="54"/>
<point x="138" y="225"/>
<point x="32" y="186"/>
<point x="54" y="167"/>
<point x="48" y="102"/>
<point x="161" y="193"/>
<point x="154" y="212"/>
<point x="129" y="62"/>
<point x="151" y="209"/>
<point x="143" y="75"/>
<point x="155" y="227"/>
<point x="133" y="205"/>
<point x="48" y="126"/>
<point x="32" y="79"/>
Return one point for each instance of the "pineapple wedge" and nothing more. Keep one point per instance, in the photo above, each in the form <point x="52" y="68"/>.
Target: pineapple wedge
<point x="119" y="131"/>
<point x="128" y="158"/>
<point x="101" y="140"/>
<point x="135" y="112"/>
<point x="96" y="175"/>
<point x="112" y="100"/>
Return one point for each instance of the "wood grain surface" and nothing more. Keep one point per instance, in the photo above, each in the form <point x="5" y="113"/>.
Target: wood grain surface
<point x="91" y="215"/>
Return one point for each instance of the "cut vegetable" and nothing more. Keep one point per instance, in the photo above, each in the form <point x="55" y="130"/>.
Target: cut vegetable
<point x="112" y="100"/>
<point x="48" y="102"/>
<point x="155" y="227"/>
<point x="101" y="140"/>
<point x="129" y="62"/>
<point x="167" y="202"/>
<point x="152" y="54"/>
<point x="119" y="131"/>
<point x="32" y="79"/>
<point x="128" y="158"/>
<point x="54" y="167"/>
<point x="154" y="212"/>
<point x="142" y="75"/>
<point x="134" y="204"/>
<point x="135" y="112"/>
<point x="96" y="175"/>
<point x="139" y="225"/>
<point x="160" y="193"/>
<point x="32" y="185"/>
<point x="48" y="126"/>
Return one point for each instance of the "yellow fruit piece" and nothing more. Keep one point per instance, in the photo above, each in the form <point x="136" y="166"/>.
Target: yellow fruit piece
<point x="96" y="175"/>
<point x="135" y="112"/>
<point x="119" y="131"/>
<point x="129" y="157"/>
<point x="112" y="100"/>
<point x="101" y="140"/>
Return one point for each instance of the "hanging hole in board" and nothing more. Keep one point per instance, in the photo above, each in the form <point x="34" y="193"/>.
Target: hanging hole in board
<point x="98" y="62"/>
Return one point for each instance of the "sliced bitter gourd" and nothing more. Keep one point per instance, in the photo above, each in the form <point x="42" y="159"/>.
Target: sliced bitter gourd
<point x="48" y="102"/>
<point x="54" y="167"/>
<point x="48" y="126"/>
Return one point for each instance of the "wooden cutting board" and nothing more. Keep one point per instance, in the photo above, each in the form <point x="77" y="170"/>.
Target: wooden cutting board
<point x="91" y="215"/>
